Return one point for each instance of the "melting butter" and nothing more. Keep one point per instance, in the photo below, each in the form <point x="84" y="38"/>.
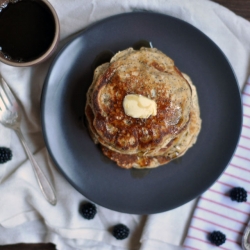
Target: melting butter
<point x="138" y="106"/>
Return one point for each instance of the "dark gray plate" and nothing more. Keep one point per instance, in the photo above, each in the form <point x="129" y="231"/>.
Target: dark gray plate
<point x="81" y="161"/>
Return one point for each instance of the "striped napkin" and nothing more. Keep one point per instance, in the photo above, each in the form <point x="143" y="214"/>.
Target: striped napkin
<point x="215" y="210"/>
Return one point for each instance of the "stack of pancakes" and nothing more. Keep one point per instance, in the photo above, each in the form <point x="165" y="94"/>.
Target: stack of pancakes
<point x="142" y="142"/>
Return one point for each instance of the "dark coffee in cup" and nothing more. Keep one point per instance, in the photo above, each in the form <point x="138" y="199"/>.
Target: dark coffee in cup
<point x="28" y="30"/>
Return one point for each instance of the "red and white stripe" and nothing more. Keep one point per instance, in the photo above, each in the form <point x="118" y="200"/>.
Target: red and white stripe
<point x="215" y="210"/>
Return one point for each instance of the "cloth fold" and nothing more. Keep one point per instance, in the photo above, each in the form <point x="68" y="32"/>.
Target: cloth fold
<point x="25" y="215"/>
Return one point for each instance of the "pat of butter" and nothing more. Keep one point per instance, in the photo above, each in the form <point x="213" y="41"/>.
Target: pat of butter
<point x="138" y="106"/>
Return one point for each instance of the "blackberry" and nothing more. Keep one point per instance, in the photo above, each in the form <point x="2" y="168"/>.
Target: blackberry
<point x="120" y="232"/>
<point x="5" y="155"/>
<point x="88" y="210"/>
<point x="238" y="194"/>
<point x="217" y="238"/>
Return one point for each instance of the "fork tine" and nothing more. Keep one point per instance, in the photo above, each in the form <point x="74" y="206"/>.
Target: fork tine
<point x="8" y="92"/>
<point x="2" y="105"/>
<point x="7" y="96"/>
<point x="5" y="101"/>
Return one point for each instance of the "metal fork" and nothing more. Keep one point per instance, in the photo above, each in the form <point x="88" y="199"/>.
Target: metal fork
<point x="10" y="116"/>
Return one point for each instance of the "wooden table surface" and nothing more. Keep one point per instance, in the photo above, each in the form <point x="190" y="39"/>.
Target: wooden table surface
<point x="239" y="7"/>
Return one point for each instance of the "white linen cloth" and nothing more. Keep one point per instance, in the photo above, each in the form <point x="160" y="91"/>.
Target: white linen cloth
<point x="25" y="216"/>
<point x="215" y="210"/>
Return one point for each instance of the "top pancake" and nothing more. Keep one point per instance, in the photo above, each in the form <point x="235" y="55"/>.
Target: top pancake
<point x="146" y="72"/>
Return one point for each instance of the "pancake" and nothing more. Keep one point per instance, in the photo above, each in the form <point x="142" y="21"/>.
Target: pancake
<point x="147" y="72"/>
<point x="138" y="142"/>
<point x="176" y="148"/>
